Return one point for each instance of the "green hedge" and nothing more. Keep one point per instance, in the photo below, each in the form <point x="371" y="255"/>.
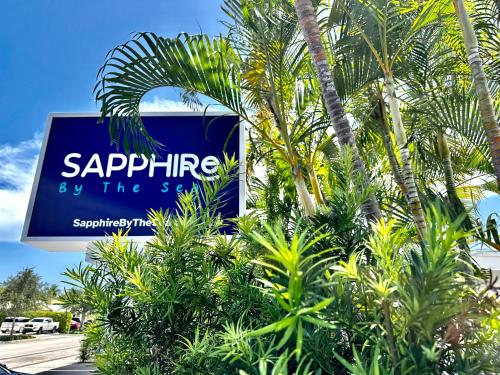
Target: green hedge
<point x="64" y="318"/>
<point x="16" y="337"/>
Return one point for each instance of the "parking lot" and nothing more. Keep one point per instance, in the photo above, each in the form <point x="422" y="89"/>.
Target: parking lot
<point x="43" y="353"/>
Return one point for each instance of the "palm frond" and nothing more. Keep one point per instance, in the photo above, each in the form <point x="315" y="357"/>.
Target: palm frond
<point x="195" y="64"/>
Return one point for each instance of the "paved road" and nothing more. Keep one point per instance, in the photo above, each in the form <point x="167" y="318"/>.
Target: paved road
<point x="46" y="352"/>
<point x="75" y="369"/>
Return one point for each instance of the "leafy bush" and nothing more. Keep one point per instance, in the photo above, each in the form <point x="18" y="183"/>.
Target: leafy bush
<point x="64" y="318"/>
<point x="420" y="309"/>
<point x="286" y="300"/>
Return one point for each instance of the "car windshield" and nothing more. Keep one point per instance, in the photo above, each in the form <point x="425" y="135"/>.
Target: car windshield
<point x="22" y="320"/>
<point x="8" y="320"/>
<point x="37" y="320"/>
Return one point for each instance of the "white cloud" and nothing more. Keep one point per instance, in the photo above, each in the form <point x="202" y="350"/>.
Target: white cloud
<point x="17" y="169"/>
<point x="163" y="105"/>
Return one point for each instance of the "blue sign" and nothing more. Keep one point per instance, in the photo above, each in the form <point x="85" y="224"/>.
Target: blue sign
<point x="86" y="188"/>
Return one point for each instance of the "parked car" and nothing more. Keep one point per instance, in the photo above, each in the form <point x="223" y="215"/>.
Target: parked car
<point x="5" y="371"/>
<point x="18" y="324"/>
<point x="41" y="325"/>
<point x="75" y="324"/>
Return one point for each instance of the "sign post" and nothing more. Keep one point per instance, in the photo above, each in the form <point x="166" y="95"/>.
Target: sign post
<point x="85" y="188"/>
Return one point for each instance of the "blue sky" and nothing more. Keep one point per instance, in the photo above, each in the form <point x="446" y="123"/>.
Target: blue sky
<point x="50" y="51"/>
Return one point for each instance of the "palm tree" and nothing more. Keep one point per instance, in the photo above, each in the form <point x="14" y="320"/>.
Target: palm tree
<point x="450" y="144"/>
<point x="488" y="115"/>
<point x="309" y="25"/>
<point x="451" y="191"/>
<point x="256" y="71"/>
<point x="386" y="30"/>
<point x="52" y="292"/>
<point x="380" y="115"/>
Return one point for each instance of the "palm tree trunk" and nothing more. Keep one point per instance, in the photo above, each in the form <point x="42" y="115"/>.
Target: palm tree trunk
<point x="310" y="29"/>
<point x="381" y="116"/>
<point x="486" y="108"/>
<point x="305" y="200"/>
<point x="303" y="195"/>
<point x="451" y="191"/>
<point x="408" y="178"/>
<point x="313" y="177"/>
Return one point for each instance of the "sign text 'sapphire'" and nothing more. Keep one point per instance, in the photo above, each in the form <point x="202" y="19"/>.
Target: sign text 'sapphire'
<point x="174" y="165"/>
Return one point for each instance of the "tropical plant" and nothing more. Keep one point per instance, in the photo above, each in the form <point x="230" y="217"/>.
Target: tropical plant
<point x="387" y="30"/>
<point x="259" y="71"/>
<point x="296" y="300"/>
<point x="410" y="291"/>
<point x="308" y="20"/>
<point x="488" y="113"/>
<point x="74" y="301"/>
<point x="145" y="300"/>
<point x="252" y="72"/>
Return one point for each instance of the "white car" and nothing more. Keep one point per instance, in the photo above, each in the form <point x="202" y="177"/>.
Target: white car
<point x="18" y="324"/>
<point x="41" y="325"/>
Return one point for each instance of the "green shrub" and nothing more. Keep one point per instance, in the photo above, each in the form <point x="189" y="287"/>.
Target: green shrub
<point x="3" y="315"/>
<point x="63" y="318"/>
<point x="286" y="300"/>
<point x="16" y="337"/>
